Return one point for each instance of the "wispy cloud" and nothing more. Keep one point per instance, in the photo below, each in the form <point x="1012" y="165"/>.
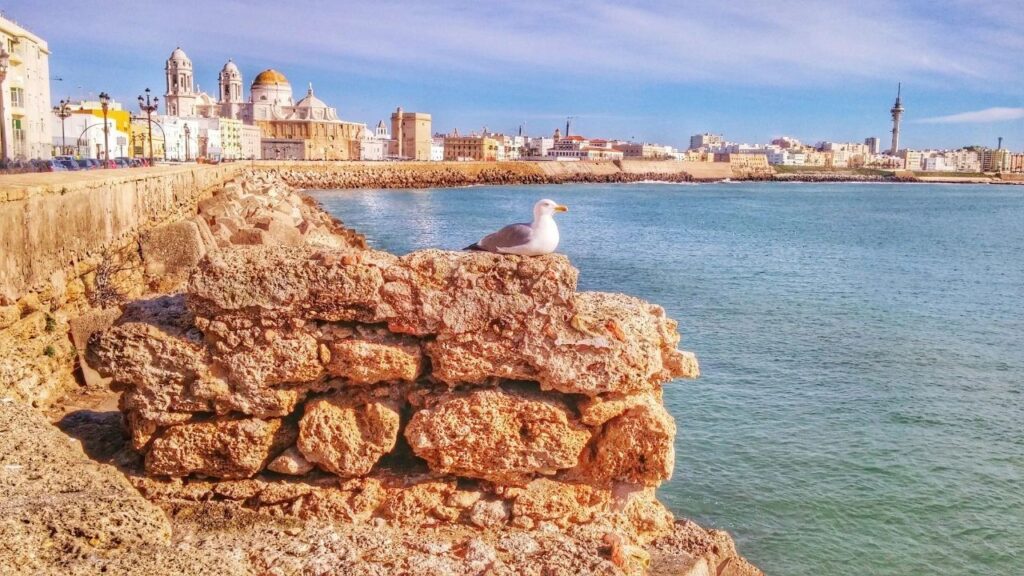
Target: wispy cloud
<point x="739" y="42"/>
<point x="977" y="116"/>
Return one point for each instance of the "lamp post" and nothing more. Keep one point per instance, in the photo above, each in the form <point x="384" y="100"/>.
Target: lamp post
<point x="5" y="61"/>
<point x="63" y="111"/>
<point x="188" y="131"/>
<point x="149" y="107"/>
<point x="105" y="104"/>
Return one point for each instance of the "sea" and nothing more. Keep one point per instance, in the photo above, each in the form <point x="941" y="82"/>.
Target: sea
<point x="861" y="404"/>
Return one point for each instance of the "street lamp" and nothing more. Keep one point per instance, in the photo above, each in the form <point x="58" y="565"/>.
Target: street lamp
<point x="5" y="61"/>
<point x="188" y="131"/>
<point x="105" y="104"/>
<point x="63" y="111"/>
<point x="149" y="107"/>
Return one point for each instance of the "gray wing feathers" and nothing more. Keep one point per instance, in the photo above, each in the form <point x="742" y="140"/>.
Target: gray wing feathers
<point x="511" y="235"/>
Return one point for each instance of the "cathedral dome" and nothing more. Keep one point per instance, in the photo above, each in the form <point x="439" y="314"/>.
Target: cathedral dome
<point x="313" y="108"/>
<point x="271" y="87"/>
<point x="269" y="77"/>
<point x="311" y="101"/>
<point x="231" y="68"/>
<point x="179" y="56"/>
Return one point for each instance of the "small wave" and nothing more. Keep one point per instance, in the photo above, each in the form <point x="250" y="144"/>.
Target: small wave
<point x="666" y="183"/>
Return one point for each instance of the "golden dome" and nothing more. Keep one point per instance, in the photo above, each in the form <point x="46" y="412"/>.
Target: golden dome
<point x="269" y="77"/>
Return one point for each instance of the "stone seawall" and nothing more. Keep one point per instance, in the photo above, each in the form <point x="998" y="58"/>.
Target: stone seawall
<point x="340" y="175"/>
<point x="71" y="247"/>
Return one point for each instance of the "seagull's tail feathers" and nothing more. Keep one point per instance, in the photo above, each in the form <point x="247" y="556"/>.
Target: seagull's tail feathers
<point x="475" y="247"/>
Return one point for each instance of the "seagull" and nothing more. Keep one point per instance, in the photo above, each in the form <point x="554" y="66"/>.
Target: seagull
<point x="534" y="239"/>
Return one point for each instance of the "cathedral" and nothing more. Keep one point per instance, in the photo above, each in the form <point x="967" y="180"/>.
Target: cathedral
<point x="305" y="130"/>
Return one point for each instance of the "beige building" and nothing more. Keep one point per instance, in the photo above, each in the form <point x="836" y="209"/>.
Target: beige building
<point x="470" y="148"/>
<point x="645" y="151"/>
<point x="25" y="97"/>
<point x="411" y="135"/>
<point x="320" y="140"/>
<point x="995" y="160"/>
<point x="752" y="162"/>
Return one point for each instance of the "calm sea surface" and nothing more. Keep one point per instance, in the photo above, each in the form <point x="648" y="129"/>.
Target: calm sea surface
<point x="861" y="407"/>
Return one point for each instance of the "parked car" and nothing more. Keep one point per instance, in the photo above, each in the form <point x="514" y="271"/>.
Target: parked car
<point x="71" y="165"/>
<point x="88" y="163"/>
<point x="51" y="165"/>
<point x="123" y="162"/>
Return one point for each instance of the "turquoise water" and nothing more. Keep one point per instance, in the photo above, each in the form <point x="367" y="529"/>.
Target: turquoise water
<point x="862" y="346"/>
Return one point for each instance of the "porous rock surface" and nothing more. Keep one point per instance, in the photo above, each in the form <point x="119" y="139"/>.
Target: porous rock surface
<point x="517" y="362"/>
<point x="458" y="391"/>
<point x="308" y="406"/>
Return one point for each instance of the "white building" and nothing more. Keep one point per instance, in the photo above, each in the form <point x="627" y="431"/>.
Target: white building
<point x="26" y="114"/>
<point x="437" y="149"/>
<point x="785" y="157"/>
<point x="250" y="136"/>
<point x="181" y="137"/>
<point x="374" y="145"/>
<point x="580" y="148"/>
<point x="81" y="133"/>
<point x="538" y="147"/>
<point x="706" y="141"/>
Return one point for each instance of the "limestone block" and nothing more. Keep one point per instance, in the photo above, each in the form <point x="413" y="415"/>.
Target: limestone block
<point x="503" y="436"/>
<point x="369" y="362"/>
<point x="292" y="462"/>
<point x="636" y="447"/>
<point x="347" y="434"/>
<point x="170" y="252"/>
<point x="81" y="328"/>
<point x="222" y="448"/>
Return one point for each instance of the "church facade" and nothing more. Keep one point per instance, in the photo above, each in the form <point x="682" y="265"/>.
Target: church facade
<point x="308" y="129"/>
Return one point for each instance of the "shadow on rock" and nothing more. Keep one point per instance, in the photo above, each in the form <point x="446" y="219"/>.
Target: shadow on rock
<point x="102" y="434"/>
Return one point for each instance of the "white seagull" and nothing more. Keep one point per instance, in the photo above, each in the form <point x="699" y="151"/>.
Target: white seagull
<point x="534" y="239"/>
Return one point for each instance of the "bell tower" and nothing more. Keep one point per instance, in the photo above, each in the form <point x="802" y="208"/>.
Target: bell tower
<point x="180" y="97"/>
<point x="230" y="84"/>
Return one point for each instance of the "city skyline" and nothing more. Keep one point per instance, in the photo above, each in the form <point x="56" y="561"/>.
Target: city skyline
<point x="646" y="73"/>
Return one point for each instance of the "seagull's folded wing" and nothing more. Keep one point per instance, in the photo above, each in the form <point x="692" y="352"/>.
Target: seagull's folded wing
<point x="508" y="237"/>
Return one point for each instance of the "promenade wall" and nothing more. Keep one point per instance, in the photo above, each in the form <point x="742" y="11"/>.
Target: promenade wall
<point x="70" y="254"/>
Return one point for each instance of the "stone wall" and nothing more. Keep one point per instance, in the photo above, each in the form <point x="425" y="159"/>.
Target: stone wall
<point x="77" y="245"/>
<point x="71" y="250"/>
<point x="330" y="175"/>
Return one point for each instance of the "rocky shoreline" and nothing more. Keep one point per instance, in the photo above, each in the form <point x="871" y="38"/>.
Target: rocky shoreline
<point x="448" y="177"/>
<point x="292" y="402"/>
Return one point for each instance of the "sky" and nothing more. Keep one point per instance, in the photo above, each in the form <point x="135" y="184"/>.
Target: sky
<point x="655" y="71"/>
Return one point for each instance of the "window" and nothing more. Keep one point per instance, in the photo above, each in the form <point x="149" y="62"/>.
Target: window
<point x="18" y="97"/>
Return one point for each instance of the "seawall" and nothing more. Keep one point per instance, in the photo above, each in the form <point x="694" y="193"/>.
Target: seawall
<point x="335" y="175"/>
<point x="70" y="246"/>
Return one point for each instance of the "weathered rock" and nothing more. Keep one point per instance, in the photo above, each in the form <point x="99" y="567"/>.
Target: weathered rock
<point x="57" y="507"/>
<point x="636" y="446"/>
<point x="223" y="448"/>
<point x="491" y="315"/>
<point x="170" y="252"/>
<point x="716" y="547"/>
<point x="291" y="462"/>
<point x="347" y="434"/>
<point x="493" y="434"/>
<point x="371" y="359"/>
<point x="603" y="343"/>
<point x="489" y="513"/>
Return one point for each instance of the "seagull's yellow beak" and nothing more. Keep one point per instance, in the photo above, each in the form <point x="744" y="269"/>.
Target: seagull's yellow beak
<point x="561" y="208"/>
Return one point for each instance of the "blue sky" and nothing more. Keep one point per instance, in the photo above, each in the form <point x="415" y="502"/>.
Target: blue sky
<point x="650" y="70"/>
